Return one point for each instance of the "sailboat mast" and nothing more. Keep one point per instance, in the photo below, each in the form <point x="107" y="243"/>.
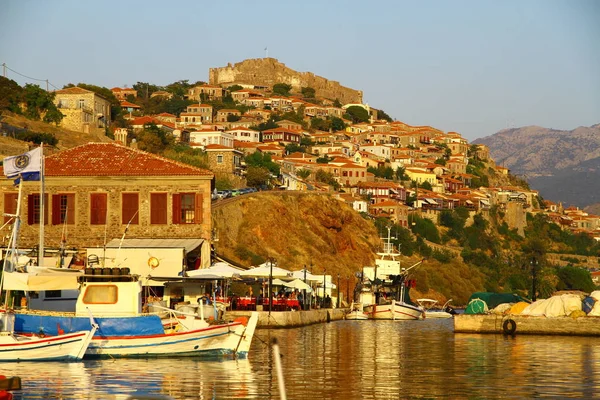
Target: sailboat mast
<point x="42" y="205"/>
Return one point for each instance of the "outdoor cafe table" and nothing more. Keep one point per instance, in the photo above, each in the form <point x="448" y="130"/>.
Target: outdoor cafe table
<point x="246" y="303"/>
<point x="283" y="304"/>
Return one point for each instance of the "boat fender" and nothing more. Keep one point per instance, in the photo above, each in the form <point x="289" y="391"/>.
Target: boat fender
<point x="328" y="317"/>
<point x="509" y="327"/>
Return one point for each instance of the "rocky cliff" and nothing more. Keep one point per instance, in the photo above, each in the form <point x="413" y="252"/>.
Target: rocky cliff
<point x="269" y="71"/>
<point x="296" y="229"/>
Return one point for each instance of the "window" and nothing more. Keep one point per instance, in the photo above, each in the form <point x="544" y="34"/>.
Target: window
<point x="63" y="209"/>
<point x="130" y="208"/>
<point x="158" y="208"/>
<point x="98" y="208"/>
<point x="220" y="159"/>
<point x="34" y="209"/>
<point x="81" y="103"/>
<point x="10" y="204"/>
<point x="104" y="294"/>
<point x="187" y="208"/>
<point x="53" y="294"/>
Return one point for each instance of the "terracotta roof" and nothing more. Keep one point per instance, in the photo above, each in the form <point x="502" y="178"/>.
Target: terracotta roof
<point x="165" y="114"/>
<point x="146" y="120"/>
<point x="110" y="159"/>
<point x="73" y="90"/>
<point x="217" y="147"/>
<point x="125" y="103"/>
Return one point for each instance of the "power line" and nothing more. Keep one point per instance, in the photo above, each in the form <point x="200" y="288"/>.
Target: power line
<point x="29" y="77"/>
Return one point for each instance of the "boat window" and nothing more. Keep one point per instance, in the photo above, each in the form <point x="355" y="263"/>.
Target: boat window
<point x="100" y="294"/>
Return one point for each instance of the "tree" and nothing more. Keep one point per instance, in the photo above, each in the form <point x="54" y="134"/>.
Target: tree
<point x="337" y="124"/>
<point x="282" y="89"/>
<point x="326" y="177"/>
<point x="574" y="278"/>
<point x="234" y="88"/>
<point x="308" y="92"/>
<point x="257" y="176"/>
<point x="320" y="124"/>
<point x="401" y="174"/>
<point x="426" y="185"/>
<point x="294" y="148"/>
<point x="10" y="93"/>
<point x="357" y="114"/>
<point x="303" y="173"/>
<point x="179" y="88"/>
<point x="337" y="103"/>
<point x="383" y="115"/>
<point x="38" y="101"/>
<point x="262" y="160"/>
<point x="153" y="139"/>
<point x="145" y="89"/>
<point x="233" y="118"/>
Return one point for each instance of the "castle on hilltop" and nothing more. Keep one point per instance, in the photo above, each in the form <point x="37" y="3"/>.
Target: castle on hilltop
<point x="269" y="71"/>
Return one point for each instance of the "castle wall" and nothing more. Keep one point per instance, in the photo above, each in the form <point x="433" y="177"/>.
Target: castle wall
<point x="269" y="71"/>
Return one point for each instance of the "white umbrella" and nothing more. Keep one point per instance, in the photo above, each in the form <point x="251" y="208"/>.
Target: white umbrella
<point x="309" y="277"/>
<point x="264" y="270"/>
<point x="298" y="284"/>
<point x="221" y="269"/>
<point x="278" y="282"/>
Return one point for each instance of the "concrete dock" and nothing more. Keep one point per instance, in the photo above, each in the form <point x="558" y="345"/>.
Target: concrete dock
<point x="290" y="319"/>
<point x="524" y="324"/>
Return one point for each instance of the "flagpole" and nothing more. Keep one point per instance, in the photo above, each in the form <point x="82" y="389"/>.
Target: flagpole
<point x="42" y="205"/>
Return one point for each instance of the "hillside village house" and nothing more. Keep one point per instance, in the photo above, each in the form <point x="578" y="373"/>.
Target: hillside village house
<point x="122" y="93"/>
<point x="281" y="135"/>
<point x="196" y="114"/>
<point x="205" y="137"/>
<point x="94" y="191"/>
<point x="83" y="110"/>
<point x="223" y="160"/>
<point x="205" y="92"/>
<point x="245" y="135"/>
<point x="394" y="210"/>
<point x="224" y="114"/>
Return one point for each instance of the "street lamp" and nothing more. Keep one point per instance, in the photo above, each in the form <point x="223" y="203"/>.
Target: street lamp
<point x="533" y="278"/>
<point x="338" y="291"/>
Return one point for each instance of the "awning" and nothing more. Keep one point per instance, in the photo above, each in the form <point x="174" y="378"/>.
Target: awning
<point x="37" y="282"/>
<point x="167" y="243"/>
<point x="484" y="202"/>
<point x="469" y="202"/>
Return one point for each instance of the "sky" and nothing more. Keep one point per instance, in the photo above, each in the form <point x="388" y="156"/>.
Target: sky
<point x="474" y="67"/>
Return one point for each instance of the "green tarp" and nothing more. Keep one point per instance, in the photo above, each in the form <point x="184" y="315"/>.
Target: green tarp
<point x="491" y="299"/>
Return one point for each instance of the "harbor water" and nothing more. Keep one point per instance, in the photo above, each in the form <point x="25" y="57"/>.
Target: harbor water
<point x="342" y="360"/>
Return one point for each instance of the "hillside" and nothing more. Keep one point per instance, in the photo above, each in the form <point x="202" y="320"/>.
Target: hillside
<point x="15" y="123"/>
<point x="563" y="165"/>
<point x="299" y="228"/>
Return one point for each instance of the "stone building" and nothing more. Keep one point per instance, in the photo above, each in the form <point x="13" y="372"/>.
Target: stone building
<point x="269" y="71"/>
<point x="223" y="160"/>
<point x="83" y="110"/>
<point x="101" y="190"/>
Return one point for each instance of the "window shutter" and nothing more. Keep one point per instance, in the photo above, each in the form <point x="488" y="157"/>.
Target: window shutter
<point x="10" y="204"/>
<point x="30" y="207"/>
<point x="98" y="208"/>
<point x="158" y="208"/>
<point x="129" y="209"/>
<point x="71" y="208"/>
<point x="176" y="208"/>
<point x="198" y="210"/>
<point x="55" y="209"/>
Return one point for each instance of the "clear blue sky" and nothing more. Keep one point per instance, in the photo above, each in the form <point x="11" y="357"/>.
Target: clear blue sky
<point x="469" y="66"/>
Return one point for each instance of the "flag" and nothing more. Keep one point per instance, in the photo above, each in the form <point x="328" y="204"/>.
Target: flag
<point x="28" y="165"/>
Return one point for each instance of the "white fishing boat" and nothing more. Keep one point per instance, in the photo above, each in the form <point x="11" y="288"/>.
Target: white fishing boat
<point x="431" y="311"/>
<point x="384" y="289"/>
<point x="15" y="347"/>
<point x="115" y="304"/>
<point x="66" y="347"/>
<point x="356" y="312"/>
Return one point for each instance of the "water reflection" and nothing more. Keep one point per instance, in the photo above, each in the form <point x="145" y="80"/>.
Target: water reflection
<point x="343" y="360"/>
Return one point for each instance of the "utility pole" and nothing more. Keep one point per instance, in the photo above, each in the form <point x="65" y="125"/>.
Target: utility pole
<point x="4" y="70"/>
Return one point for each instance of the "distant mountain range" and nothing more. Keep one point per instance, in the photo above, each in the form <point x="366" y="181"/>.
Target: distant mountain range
<point x="563" y="165"/>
